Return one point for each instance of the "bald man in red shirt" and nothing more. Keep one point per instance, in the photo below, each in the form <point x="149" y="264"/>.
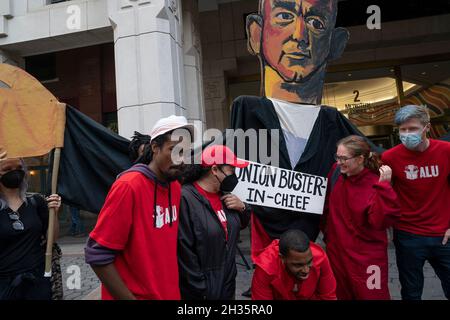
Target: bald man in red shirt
<point x="293" y="268"/>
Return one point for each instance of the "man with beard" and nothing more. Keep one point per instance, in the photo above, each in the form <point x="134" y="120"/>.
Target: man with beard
<point x="293" y="268"/>
<point x="294" y="41"/>
<point x="133" y="248"/>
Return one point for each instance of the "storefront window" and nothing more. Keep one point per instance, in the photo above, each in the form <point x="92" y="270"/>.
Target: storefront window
<point x="370" y="98"/>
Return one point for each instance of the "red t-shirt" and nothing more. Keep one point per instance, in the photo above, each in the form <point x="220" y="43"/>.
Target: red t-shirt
<point x="216" y="204"/>
<point x="422" y="183"/>
<point x="147" y="261"/>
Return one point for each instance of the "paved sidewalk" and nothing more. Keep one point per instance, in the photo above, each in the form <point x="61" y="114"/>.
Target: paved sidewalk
<point x="73" y="254"/>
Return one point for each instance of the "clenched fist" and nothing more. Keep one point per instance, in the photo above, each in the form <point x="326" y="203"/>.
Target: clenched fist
<point x="385" y="174"/>
<point x="232" y="202"/>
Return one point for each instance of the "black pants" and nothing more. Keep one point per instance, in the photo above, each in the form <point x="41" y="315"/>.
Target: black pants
<point x="412" y="251"/>
<point x="26" y="286"/>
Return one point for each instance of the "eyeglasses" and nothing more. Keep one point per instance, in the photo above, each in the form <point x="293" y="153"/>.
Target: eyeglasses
<point x="17" y="224"/>
<point x="342" y="159"/>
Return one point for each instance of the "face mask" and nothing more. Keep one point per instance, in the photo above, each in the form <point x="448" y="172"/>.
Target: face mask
<point x="411" y="140"/>
<point x="229" y="183"/>
<point x="13" y="179"/>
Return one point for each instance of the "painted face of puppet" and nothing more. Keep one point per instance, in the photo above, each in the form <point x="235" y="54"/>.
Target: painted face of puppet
<point x="294" y="40"/>
<point x="297" y="35"/>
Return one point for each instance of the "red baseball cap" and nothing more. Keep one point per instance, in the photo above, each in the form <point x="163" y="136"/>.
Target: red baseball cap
<point x="220" y="154"/>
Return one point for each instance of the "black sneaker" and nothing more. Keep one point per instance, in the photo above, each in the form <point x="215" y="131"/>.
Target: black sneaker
<point x="247" y="293"/>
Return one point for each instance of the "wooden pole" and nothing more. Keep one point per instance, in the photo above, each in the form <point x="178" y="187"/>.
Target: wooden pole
<point x="52" y="216"/>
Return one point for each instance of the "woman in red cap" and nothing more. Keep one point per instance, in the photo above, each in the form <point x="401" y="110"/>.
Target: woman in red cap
<point x="211" y="218"/>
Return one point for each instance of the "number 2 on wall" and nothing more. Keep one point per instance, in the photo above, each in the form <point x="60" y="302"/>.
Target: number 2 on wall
<point x="356" y="93"/>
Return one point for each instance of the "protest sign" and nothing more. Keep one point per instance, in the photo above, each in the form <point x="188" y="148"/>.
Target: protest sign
<point x="275" y="187"/>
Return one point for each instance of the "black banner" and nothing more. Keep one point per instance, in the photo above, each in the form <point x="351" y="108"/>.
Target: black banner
<point x="91" y="159"/>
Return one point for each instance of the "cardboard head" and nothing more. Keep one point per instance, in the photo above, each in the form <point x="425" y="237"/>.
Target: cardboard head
<point x="295" y="39"/>
<point x="32" y="121"/>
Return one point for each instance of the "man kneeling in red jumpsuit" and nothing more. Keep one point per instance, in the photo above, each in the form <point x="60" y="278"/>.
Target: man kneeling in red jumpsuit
<point x="293" y="268"/>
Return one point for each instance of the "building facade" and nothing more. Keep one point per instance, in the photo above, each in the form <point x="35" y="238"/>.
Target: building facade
<point x="139" y="59"/>
<point x="126" y="63"/>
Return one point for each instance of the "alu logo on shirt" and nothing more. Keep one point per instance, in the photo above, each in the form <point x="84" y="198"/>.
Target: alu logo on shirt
<point x="222" y="216"/>
<point x="163" y="216"/>
<point x="414" y="172"/>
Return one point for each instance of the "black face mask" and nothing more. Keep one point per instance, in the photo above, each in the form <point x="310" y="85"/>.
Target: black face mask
<point x="12" y="179"/>
<point x="229" y="183"/>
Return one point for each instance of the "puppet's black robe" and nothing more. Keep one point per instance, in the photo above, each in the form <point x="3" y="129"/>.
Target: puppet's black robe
<point x="250" y="112"/>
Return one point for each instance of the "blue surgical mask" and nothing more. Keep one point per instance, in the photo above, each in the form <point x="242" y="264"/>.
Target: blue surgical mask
<point x="411" y="140"/>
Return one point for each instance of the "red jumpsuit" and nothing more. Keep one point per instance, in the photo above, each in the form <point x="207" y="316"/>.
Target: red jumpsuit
<point x="259" y="238"/>
<point x="358" y="212"/>
<point x="271" y="281"/>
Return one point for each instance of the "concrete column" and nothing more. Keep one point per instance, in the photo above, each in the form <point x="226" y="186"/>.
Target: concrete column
<point x="149" y="62"/>
<point x="5" y="14"/>
<point x="35" y="4"/>
<point x="195" y="103"/>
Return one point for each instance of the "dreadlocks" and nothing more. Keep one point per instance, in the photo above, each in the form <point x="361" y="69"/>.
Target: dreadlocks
<point x="135" y="148"/>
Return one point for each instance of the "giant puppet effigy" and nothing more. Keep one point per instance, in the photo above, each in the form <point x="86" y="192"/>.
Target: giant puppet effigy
<point x="294" y="41"/>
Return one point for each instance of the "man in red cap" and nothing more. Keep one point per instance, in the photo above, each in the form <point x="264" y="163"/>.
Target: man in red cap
<point x="293" y="268"/>
<point x="211" y="218"/>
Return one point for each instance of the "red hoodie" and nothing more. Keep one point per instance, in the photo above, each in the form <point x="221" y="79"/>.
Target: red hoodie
<point x="147" y="259"/>
<point x="271" y="281"/>
<point x="358" y="211"/>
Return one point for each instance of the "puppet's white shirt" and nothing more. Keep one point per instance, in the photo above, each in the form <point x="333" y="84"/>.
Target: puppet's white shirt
<point x="297" y="122"/>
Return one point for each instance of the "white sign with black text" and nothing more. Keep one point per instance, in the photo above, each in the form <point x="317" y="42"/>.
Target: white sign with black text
<point x="275" y="187"/>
